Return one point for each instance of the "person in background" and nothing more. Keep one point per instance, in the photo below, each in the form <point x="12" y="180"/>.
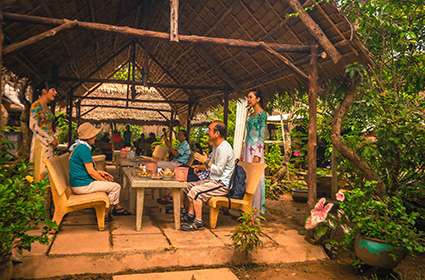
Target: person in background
<point x="117" y="141"/>
<point x="149" y="141"/>
<point x="83" y="176"/>
<point x="181" y="155"/>
<point x="253" y="150"/>
<point x="221" y="166"/>
<point x="140" y="144"/>
<point x="127" y="136"/>
<point x="41" y="125"/>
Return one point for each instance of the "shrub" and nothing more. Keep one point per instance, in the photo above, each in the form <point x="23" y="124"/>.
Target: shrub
<point x="274" y="158"/>
<point x="247" y="235"/>
<point x="22" y="202"/>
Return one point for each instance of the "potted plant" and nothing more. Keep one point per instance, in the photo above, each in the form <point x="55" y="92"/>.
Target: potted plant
<point x="381" y="231"/>
<point x="22" y="202"/>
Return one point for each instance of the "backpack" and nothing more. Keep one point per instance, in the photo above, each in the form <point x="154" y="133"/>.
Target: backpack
<point x="237" y="185"/>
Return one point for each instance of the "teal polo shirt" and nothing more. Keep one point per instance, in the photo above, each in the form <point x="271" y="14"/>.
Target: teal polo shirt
<point x="183" y="153"/>
<point x="78" y="175"/>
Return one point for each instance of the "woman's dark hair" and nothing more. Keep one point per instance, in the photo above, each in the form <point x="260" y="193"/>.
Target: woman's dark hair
<point x="184" y="132"/>
<point x="259" y="94"/>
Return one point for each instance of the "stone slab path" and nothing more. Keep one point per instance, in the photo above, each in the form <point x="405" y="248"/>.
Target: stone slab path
<point x="80" y="248"/>
<point x="204" y="274"/>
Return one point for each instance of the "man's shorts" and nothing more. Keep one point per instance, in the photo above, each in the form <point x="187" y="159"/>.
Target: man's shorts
<point x="205" y="189"/>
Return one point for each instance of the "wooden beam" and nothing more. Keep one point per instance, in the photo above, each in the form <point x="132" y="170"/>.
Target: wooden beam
<point x="129" y="107"/>
<point x="139" y="83"/>
<point x="105" y="62"/>
<point x="174" y="20"/>
<point x="189" y="120"/>
<point x="36" y="38"/>
<point x="70" y="97"/>
<point x="312" y="128"/>
<point x="315" y="30"/>
<point x="334" y="180"/>
<point x="226" y="111"/>
<point x="288" y="63"/>
<point x="135" y="100"/>
<point x="1" y="65"/>
<point x="78" y="113"/>
<point x="88" y="111"/>
<point x="136" y="32"/>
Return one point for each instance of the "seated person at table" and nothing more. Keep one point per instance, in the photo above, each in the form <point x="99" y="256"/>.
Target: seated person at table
<point x="221" y="167"/>
<point x="179" y="156"/>
<point x="140" y="144"/>
<point x="83" y="176"/>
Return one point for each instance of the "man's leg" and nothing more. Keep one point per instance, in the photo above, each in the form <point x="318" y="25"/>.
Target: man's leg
<point x="197" y="205"/>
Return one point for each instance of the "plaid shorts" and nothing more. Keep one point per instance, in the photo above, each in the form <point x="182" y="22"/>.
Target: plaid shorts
<point x="205" y="189"/>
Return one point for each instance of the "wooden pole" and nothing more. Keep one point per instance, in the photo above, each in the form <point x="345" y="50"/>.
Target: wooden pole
<point x="171" y="127"/>
<point x="315" y="30"/>
<point x="174" y="20"/>
<point x="122" y="107"/>
<point x="133" y="70"/>
<point x="139" y="83"/>
<point x="78" y="113"/>
<point x="189" y="120"/>
<point x="70" y="98"/>
<point x="36" y="38"/>
<point x="135" y="100"/>
<point x="312" y="128"/>
<point x="226" y="111"/>
<point x="1" y="65"/>
<point x="288" y="63"/>
<point x="137" y="32"/>
<point x="334" y="180"/>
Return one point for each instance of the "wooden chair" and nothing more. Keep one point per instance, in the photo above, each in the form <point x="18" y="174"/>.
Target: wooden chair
<point x="254" y="172"/>
<point x="100" y="162"/>
<point x="63" y="198"/>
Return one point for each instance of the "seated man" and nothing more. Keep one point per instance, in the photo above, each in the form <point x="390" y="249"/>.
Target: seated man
<point x="83" y="176"/>
<point x="181" y="155"/>
<point x="221" y="167"/>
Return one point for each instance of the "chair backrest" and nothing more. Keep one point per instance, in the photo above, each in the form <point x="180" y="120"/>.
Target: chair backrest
<point x="58" y="168"/>
<point x="254" y="173"/>
<point x="160" y="152"/>
<point x="100" y="162"/>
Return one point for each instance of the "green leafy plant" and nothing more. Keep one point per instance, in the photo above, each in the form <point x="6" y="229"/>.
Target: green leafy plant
<point x="247" y="235"/>
<point x="62" y="128"/>
<point x="274" y="158"/>
<point x="383" y="218"/>
<point x="22" y="202"/>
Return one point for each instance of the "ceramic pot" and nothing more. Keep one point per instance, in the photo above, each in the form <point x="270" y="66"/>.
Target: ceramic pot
<point x="376" y="252"/>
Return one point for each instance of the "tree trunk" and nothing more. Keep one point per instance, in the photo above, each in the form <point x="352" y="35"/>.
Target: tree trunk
<point x="347" y="152"/>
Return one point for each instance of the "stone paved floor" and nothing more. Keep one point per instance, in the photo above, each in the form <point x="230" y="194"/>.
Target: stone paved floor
<point x="80" y="248"/>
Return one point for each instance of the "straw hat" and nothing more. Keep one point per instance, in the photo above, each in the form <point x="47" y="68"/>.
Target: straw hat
<point x="87" y="131"/>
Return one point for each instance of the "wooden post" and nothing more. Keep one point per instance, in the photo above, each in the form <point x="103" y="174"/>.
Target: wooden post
<point x="189" y="119"/>
<point x="70" y="98"/>
<point x="171" y="127"/>
<point x="133" y="70"/>
<point x="312" y="128"/>
<point x="334" y="180"/>
<point x="78" y="113"/>
<point x="1" y="64"/>
<point x="174" y="20"/>
<point x="226" y="110"/>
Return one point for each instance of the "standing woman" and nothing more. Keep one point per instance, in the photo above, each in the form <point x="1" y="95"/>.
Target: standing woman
<point x="254" y="143"/>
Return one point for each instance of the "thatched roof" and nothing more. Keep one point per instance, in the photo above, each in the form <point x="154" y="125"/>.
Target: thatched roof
<point x="79" y="52"/>
<point x="128" y="116"/>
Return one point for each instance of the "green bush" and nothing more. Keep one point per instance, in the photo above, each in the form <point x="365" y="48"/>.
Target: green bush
<point x="384" y="218"/>
<point x="62" y="128"/>
<point x="273" y="158"/>
<point x="247" y="235"/>
<point x="22" y="202"/>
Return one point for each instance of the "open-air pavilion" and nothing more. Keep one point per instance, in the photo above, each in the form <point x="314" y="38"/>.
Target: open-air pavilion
<point x="196" y="54"/>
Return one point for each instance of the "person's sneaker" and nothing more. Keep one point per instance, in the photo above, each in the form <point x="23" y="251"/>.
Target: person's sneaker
<point x="196" y="225"/>
<point x="187" y="218"/>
